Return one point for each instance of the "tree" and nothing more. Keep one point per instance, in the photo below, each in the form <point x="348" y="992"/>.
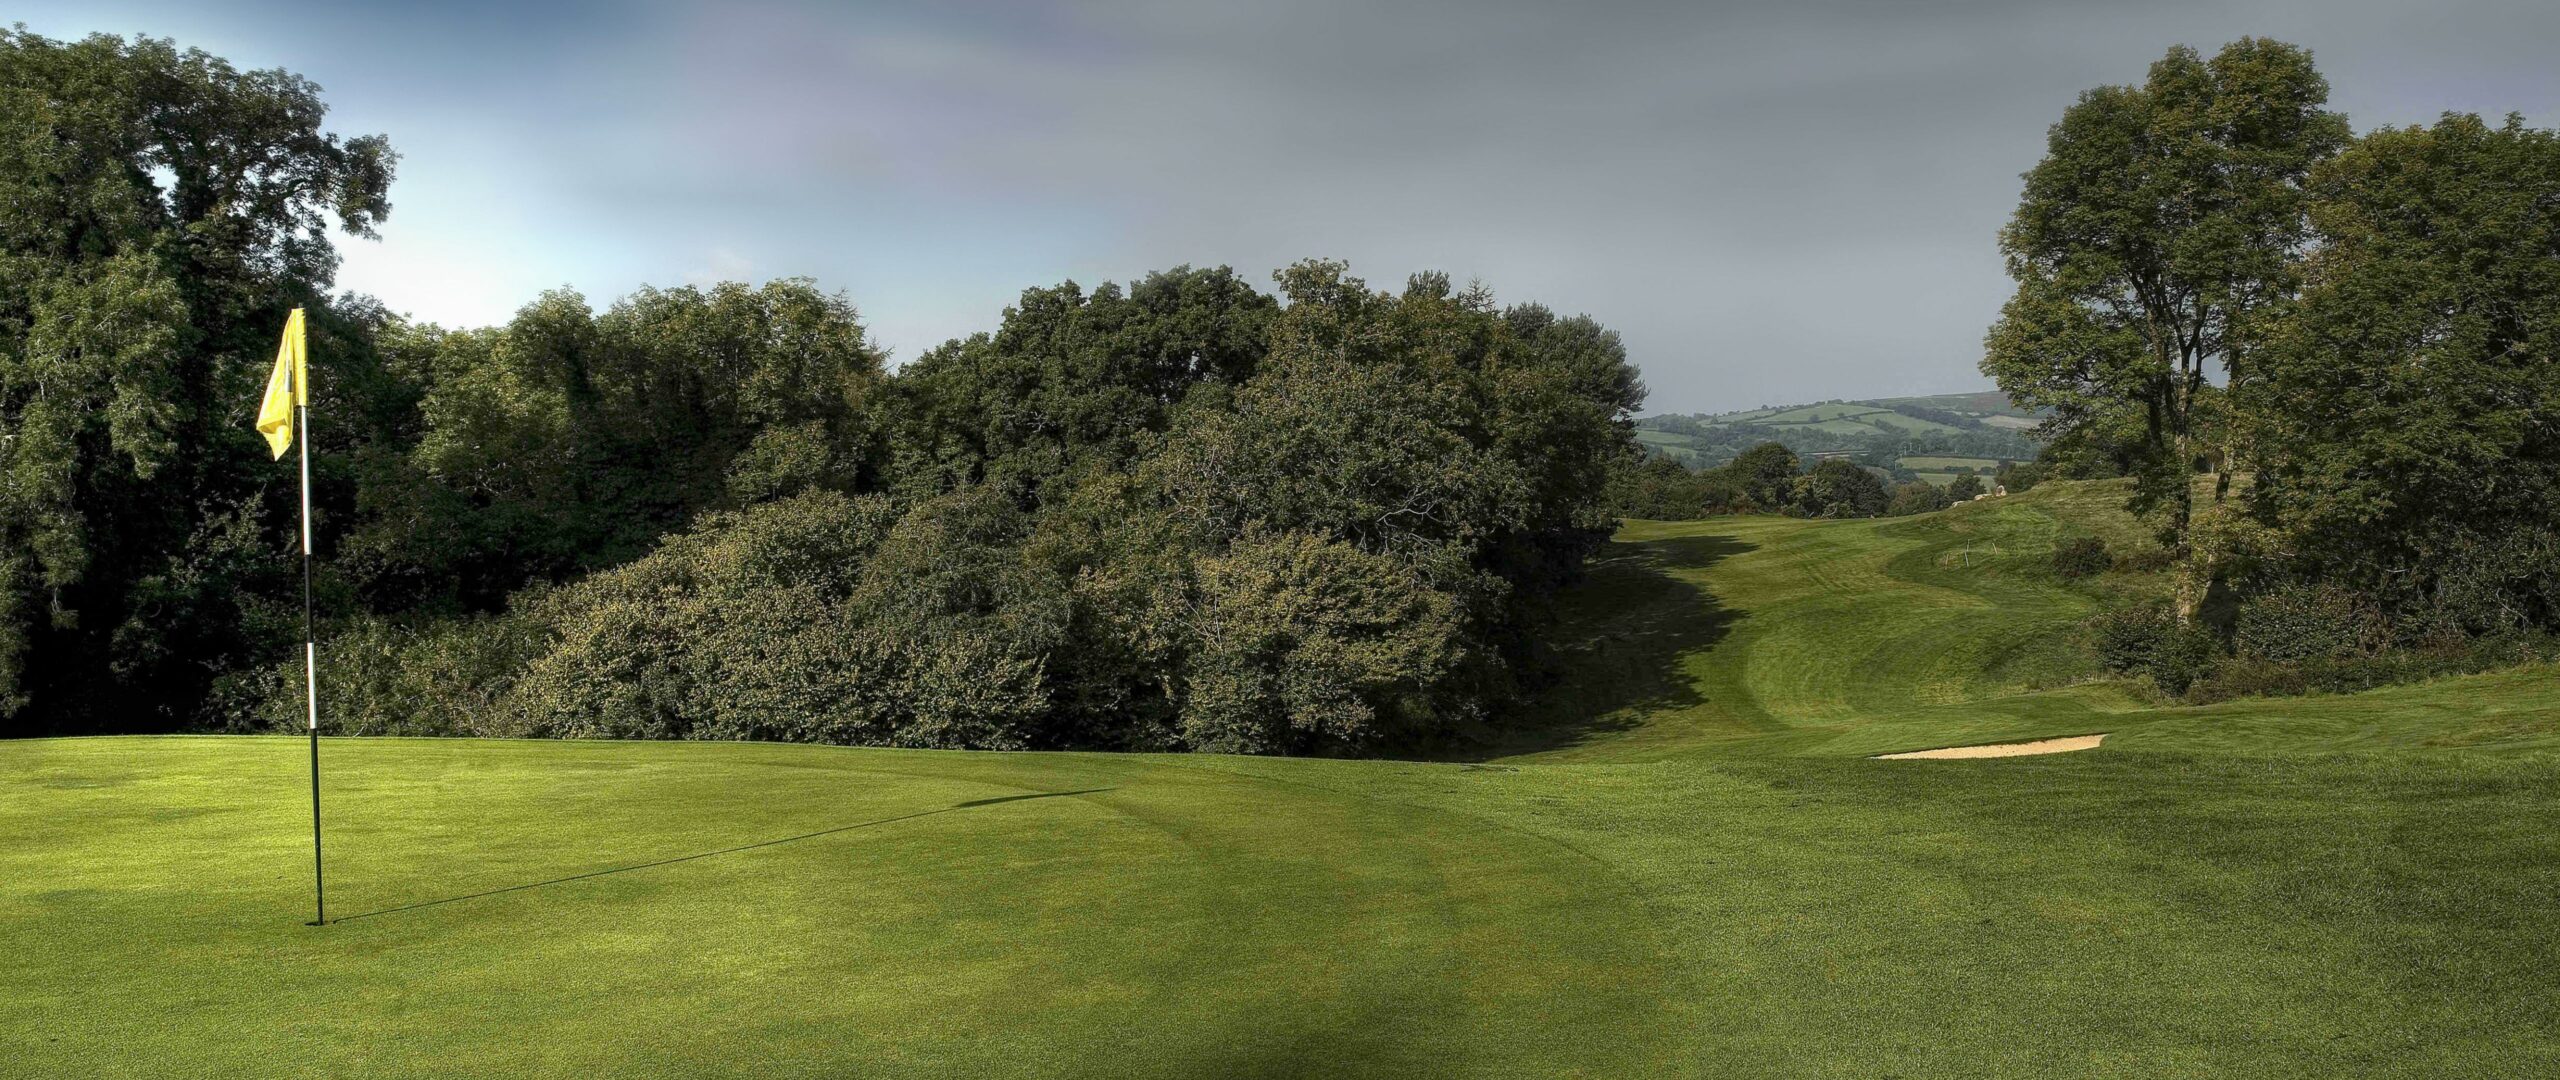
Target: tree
<point x="2164" y="223"/>
<point x="569" y="440"/>
<point x="160" y="211"/>
<point x="1964" y="488"/>
<point x="1662" y="489"/>
<point x="2407" y="409"/>
<point x="1837" y="488"/>
<point x="1072" y="377"/>
<point x="1766" y="477"/>
<point x="2019" y="477"/>
<point x="1915" y="497"/>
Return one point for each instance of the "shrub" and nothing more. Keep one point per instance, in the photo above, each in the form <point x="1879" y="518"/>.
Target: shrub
<point x="1964" y="488"/>
<point x="1307" y="645"/>
<point x="1915" y="497"/>
<point x="811" y="619"/>
<point x="2081" y="557"/>
<point x="2022" y="477"/>
<point x="2295" y="622"/>
<point x="2126" y="639"/>
<point x="379" y="677"/>
<point x="2188" y="652"/>
<point x="2149" y="640"/>
<point x="2256" y="677"/>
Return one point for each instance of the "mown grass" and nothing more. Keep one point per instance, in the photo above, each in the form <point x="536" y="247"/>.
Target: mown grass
<point x="583" y="909"/>
<point x="1692" y="869"/>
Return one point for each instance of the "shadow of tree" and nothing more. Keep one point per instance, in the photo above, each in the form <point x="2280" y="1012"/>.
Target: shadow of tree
<point x="1617" y="644"/>
<point x="722" y="851"/>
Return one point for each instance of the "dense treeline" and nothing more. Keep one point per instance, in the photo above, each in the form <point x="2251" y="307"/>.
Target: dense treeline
<point x="1184" y="514"/>
<point x="1768" y="478"/>
<point x="2347" y="348"/>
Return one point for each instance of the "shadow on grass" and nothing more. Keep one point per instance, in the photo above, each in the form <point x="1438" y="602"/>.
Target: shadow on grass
<point x="723" y="851"/>
<point x="1620" y="637"/>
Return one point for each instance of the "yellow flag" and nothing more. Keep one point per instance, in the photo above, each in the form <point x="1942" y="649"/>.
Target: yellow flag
<point x="287" y="388"/>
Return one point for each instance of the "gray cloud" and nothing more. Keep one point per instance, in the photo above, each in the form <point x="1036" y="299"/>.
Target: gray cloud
<point x="1773" y="203"/>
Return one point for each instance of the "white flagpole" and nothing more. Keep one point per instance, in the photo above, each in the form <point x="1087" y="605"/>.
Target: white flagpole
<point x="311" y="659"/>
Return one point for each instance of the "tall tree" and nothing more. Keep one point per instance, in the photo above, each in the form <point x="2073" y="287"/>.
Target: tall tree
<point x="2410" y="402"/>
<point x="159" y="213"/>
<point x="1766" y="477"/>
<point x="1835" y="488"/>
<point x="2164" y="221"/>
<point x="1072" y="378"/>
<point x="570" y="440"/>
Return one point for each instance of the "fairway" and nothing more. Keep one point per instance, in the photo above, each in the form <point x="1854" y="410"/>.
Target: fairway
<point x="1692" y="868"/>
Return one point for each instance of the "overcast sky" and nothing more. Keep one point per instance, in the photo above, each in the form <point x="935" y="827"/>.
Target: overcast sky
<point x="1773" y="202"/>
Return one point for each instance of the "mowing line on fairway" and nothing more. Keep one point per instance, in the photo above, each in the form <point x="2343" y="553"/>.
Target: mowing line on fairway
<point x="723" y="851"/>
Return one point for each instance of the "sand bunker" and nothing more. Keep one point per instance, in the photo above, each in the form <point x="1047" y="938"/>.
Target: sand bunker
<point x="2015" y="749"/>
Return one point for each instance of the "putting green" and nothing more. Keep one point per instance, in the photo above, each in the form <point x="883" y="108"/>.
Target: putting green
<point x="1694" y="870"/>
<point x="660" y="908"/>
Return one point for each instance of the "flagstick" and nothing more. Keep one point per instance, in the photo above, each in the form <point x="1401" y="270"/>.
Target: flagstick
<point x="311" y="668"/>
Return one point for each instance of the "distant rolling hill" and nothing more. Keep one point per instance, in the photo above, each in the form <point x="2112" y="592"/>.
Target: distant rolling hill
<point x="1937" y="437"/>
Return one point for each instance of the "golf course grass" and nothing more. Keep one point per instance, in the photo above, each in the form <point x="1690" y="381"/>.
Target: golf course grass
<point x="1693" y="867"/>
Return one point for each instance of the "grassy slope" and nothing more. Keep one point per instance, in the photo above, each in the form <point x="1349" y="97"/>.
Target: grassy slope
<point x="1855" y="637"/>
<point x="1694" y="872"/>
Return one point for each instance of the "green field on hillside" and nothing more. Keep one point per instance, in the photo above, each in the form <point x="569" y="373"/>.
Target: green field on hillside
<point x="1691" y="868"/>
<point x="1899" y="422"/>
<point x="1943" y="462"/>
<point x="1796" y="428"/>
<point x="1652" y="437"/>
<point x="1979" y="403"/>
<point x="1811" y="413"/>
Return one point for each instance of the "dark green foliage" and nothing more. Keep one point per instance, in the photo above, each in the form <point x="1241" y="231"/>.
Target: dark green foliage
<point x="1331" y="538"/>
<point x="568" y="441"/>
<point x="817" y="618"/>
<point x="160" y="211"/>
<point x="1308" y="644"/>
<point x="2408" y="407"/>
<point x="1916" y="497"/>
<point x="1765" y="478"/>
<point x="2292" y="639"/>
<point x="2161" y="220"/>
<point x="2296" y="622"/>
<point x="2149" y="640"/>
<point x="2081" y="557"/>
<point x="2475" y="584"/>
<point x="1070" y="379"/>
<point x="2187" y="652"/>
<point x="1660" y="488"/>
<point x="438" y="677"/>
<point x="2350" y="673"/>
<point x="1964" y="488"/>
<point x="1762" y="480"/>
<point x="2126" y="638"/>
<point x="1839" y="489"/>
<point x="2018" y="478"/>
